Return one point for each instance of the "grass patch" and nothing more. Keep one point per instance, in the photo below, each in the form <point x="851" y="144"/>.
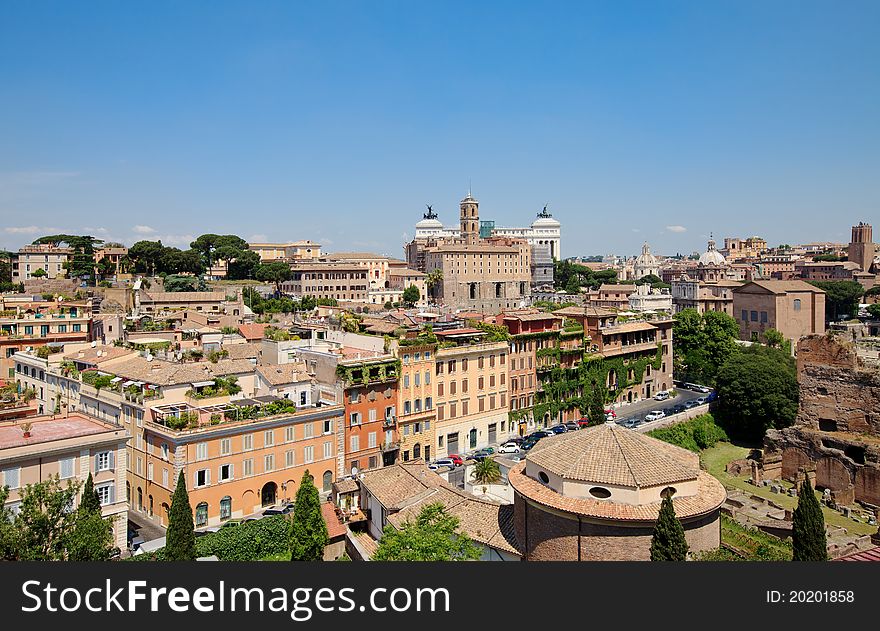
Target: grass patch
<point x="715" y="461"/>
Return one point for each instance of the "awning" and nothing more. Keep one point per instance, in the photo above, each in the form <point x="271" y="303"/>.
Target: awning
<point x="128" y="383"/>
<point x="202" y="384"/>
<point x="116" y="379"/>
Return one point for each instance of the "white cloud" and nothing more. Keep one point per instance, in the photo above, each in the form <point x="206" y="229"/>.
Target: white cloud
<point x="176" y="239"/>
<point x="22" y="229"/>
<point x="676" y="229"/>
<point x="143" y="230"/>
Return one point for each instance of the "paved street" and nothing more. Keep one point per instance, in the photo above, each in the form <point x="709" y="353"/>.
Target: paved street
<point x="643" y="407"/>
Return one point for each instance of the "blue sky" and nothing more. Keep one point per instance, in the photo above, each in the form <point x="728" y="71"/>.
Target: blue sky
<point x="338" y="121"/>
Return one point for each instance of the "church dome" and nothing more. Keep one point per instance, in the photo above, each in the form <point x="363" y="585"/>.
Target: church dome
<point x="429" y="224"/>
<point x="646" y="259"/>
<point x="545" y="220"/>
<point x="712" y="256"/>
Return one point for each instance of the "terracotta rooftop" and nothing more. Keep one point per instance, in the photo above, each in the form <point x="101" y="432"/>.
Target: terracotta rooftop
<point x="405" y="488"/>
<point x="241" y="351"/>
<point x="628" y="327"/>
<point x="585" y="311"/>
<point x="184" y="296"/>
<point x="164" y="373"/>
<point x="530" y="317"/>
<point x="347" y="485"/>
<point x="460" y="331"/>
<point x="781" y="286"/>
<point x="395" y="271"/>
<point x="709" y="497"/>
<point x="99" y="354"/>
<point x="280" y="374"/>
<point x="46" y="429"/>
<point x="617" y="288"/>
<point x="611" y="454"/>
<point x="335" y="528"/>
<point x="252" y="331"/>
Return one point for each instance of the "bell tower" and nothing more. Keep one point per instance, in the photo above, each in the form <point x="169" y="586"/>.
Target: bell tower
<point x="470" y="219"/>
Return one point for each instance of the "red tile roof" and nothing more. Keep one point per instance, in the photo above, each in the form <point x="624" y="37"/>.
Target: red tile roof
<point x="335" y="528"/>
<point x="252" y="331"/>
<point x="872" y="554"/>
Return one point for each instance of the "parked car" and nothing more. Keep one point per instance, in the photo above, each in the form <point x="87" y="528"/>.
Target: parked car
<point x="559" y="429"/>
<point x="711" y="396"/>
<point x="444" y="462"/>
<point x="661" y="396"/>
<point x="519" y="440"/>
<point x="690" y="386"/>
<point x="282" y="509"/>
<point x="691" y="404"/>
<point x="528" y="445"/>
<point x="482" y="454"/>
<point x="678" y="409"/>
<point x="701" y="401"/>
<point x="583" y="422"/>
<point x="704" y="389"/>
<point x="433" y="466"/>
<point x="654" y="415"/>
<point x="631" y="423"/>
<point x="456" y="459"/>
<point x="509" y="448"/>
<point x="668" y="411"/>
<point x="572" y="425"/>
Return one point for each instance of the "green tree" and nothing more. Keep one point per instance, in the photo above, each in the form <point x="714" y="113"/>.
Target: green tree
<point x="668" y="542"/>
<point x="486" y="471"/>
<point x="702" y="344"/>
<point x="276" y="272"/>
<point x="145" y="255"/>
<point x="9" y="534"/>
<point x="91" y="538"/>
<point x="411" y="295"/>
<point x="180" y="538"/>
<point x="38" y="273"/>
<point x="757" y="390"/>
<point x="597" y="405"/>
<point x="841" y="298"/>
<point x="874" y="310"/>
<point x="433" y="536"/>
<point x="308" y="530"/>
<point x="177" y="282"/>
<point x="434" y="278"/>
<point x="808" y="539"/>
<point x="89" y="499"/>
<point x="45" y="520"/>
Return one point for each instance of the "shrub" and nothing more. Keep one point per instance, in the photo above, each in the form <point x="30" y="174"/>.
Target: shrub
<point x="696" y="434"/>
<point x="249" y="541"/>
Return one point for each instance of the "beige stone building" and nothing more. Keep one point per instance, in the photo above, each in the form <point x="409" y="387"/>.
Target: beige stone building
<point x="792" y="307"/>
<point x="47" y="257"/>
<point x="479" y="274"/>
<point x="471" y="392"/>
<point x="71" y="447"/>
<point x="688" y="293"/>
<point x="295" y="250"/>
<point x="861" y="249"/>
<point x="343" y="281"/>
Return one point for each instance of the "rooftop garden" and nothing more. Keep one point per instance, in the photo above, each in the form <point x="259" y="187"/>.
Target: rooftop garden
<point x="223" y="386"/>
<point x="387" y="370"/>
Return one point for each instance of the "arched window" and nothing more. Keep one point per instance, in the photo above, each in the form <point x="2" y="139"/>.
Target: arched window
<point x="202" y="514"/>
<point x="417" y="451"/>
<point x="225" y="508"/>
<point x="328" y="481"/>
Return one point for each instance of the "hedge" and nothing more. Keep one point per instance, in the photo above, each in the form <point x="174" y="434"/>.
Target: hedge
<point x="696" y="434"/>
<point x="249" y="541"/>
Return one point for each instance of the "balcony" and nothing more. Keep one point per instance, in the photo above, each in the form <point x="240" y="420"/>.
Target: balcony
<point x="390" y="446"/>
<point x="390" y="421"/>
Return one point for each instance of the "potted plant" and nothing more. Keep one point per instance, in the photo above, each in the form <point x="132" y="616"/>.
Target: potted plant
<point x="26" y="429"/>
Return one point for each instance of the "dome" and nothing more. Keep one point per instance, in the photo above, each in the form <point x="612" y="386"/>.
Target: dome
<point x="429" y="224"/>
<point x="712" y="256"/>
<point x="646" y="259"/>
<point x="545" y="222"/>
<point x="609" y="454"/>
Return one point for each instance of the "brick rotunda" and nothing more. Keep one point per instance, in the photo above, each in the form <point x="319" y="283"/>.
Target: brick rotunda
<point x="595" y="494"/>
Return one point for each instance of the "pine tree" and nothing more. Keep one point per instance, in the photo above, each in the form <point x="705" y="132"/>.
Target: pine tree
<point x="808" y="539"/>
<point x="668" y="542"/>
<point x="308" y="530"/>
<point x="180" y="538"/>
<point x="90" y="501"/>
<point x="597" y="405"/>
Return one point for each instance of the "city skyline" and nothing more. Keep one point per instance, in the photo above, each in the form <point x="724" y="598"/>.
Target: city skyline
<point x="684" y="120"/>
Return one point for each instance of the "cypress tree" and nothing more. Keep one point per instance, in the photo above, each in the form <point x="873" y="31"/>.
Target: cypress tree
<point x="808" y="539"/>
<point x="308" y="530"/>
<point x="597" y="406"/>
<point x="90" y="501"/>
<point x="180" y="538"/>
<point x="668" y="542"/>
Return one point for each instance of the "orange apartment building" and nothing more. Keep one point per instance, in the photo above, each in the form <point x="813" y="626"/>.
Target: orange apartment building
<point x="71" y="447"/>
<point x="370" y="393"/>
<point x="234" y="466"/>
<point x="417" y="418"/>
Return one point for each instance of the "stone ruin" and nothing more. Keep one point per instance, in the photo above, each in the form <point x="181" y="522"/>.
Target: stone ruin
<point x="835" y="438"/>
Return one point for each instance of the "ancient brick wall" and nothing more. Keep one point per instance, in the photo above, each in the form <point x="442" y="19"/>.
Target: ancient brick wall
<point x="549" y="536"/>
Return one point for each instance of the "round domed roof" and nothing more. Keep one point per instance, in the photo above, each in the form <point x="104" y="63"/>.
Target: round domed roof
<point x="712" y="256"/>
<point x="545" y="222"/>
<point x="609" y="454"/>
<point x="646" y="259"/>
<point x="429" y="224"/>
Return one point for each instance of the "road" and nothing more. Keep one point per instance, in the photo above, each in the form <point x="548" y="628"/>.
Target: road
<point x="639" y="409"/>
